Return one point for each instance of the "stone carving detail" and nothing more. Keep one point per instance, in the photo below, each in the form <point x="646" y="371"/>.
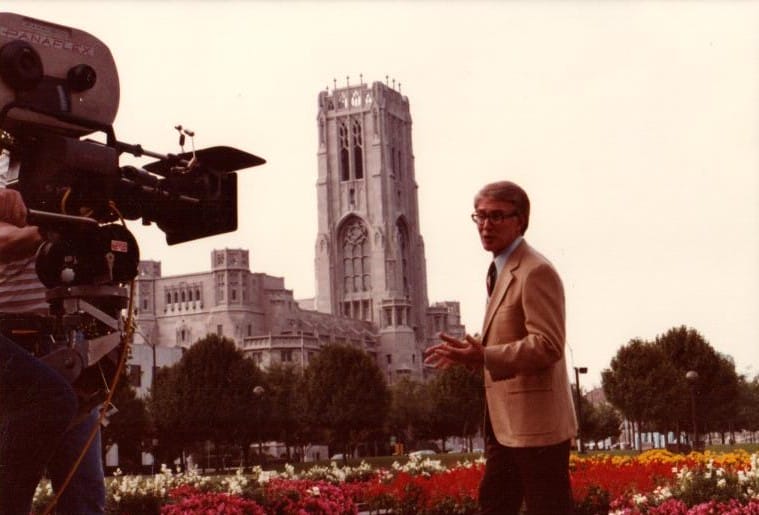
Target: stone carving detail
<point x="355" y="233"/>
<point x="323" y="244"/>
<point x="379" y="237"/>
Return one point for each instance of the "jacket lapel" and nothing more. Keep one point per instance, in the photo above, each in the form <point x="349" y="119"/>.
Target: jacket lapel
<point x="501" y="287"/>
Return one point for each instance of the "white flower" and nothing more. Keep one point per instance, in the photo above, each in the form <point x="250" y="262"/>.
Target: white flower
<point x="639" y="499"/>
<point x="420" y="466"/>
<point x="662" y="493"/>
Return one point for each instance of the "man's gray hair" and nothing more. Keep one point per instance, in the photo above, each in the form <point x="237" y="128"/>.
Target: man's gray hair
<point x="507" y="191"/>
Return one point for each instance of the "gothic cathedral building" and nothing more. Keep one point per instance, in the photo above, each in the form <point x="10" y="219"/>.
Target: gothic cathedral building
<point x="371" y="282"/>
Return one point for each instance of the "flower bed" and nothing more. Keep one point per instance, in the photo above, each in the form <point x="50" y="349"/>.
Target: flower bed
<point x="652" y="483"/>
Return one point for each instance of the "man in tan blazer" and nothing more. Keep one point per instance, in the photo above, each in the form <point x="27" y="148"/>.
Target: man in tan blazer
<point x="530" y="417"/>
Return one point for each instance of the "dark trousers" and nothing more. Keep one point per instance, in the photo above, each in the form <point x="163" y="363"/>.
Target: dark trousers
<point x="36" y="407"/>
<point x="537" y="476"/>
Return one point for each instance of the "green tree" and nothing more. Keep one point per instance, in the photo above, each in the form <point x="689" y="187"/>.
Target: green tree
<point x="647" y="383"/>
<point x="600" y="421"/>
<point x="165" y="407"/>
<point x="209" y="396"/>
<point x="586" y="418"/>
<point x="723" y="399"/>
<point x="457" y="399"/>
<point x="410" y="411"/>
<point x="644" y="386"/>
<point x="129" y="427"/>
<point x="608" y="422"/>
<point x="286" y="420"/>
<point x="748" y="405"/>
<point x="716" y="388"/>
<point x="346" y="394"/>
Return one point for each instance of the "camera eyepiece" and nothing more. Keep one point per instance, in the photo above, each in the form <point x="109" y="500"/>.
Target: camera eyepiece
<point x="81" y="78"/>
<point x="20" y="66"/>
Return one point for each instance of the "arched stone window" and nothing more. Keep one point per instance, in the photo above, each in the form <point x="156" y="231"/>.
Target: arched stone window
<point x="345" y="172"/>
<point x="355" y="249"/>
<point x="356" y="99"/>
<point x="358" y="151"/>
<point x="350" y="150"/>
<point x="184" y="335"/>
<point x="403" y="252"/>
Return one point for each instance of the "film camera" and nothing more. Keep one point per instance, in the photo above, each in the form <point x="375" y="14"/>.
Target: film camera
<point x="59" y="85"/>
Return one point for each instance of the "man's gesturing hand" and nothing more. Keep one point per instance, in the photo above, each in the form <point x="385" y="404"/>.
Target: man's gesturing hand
<point x="468" y="352"/>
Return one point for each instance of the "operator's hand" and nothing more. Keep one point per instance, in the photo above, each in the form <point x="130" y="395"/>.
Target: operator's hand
<point x="12" y="207"/>
<point x="468" y="352"/>
<point x="17" y="240"/>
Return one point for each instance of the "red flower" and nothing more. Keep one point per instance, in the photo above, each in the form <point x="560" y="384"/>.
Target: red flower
<point x="191" y="501"/>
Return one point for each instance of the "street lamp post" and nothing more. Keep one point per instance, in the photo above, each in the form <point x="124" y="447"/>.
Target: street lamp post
<point x="692" y="377"/>
<point x="578" y="371"/>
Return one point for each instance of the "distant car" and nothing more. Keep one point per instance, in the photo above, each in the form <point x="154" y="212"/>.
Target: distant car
<point x="337" y="457"/>
<point x="421" y="453"/>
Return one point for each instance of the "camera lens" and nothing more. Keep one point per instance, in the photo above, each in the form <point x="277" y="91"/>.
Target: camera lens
<point x="20" y="66"/>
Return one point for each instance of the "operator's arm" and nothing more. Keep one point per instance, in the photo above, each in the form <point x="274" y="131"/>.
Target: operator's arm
<point x="17" y="240"/>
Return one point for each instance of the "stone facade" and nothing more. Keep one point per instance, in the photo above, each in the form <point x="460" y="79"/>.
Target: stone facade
<point x="254" y="310"/>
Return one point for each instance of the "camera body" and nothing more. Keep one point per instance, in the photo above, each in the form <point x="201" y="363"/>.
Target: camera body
<point x="52" y="70"/>
<point x="58" y="85"/>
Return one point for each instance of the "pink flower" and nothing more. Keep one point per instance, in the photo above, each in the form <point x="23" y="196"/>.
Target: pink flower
<point x="190" y="501"/>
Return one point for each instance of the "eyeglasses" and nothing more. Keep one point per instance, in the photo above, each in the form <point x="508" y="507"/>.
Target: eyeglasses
<point x="495" y="217"/>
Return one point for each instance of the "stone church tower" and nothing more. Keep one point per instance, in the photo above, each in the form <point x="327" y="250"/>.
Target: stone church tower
<point x="370" y="262"/>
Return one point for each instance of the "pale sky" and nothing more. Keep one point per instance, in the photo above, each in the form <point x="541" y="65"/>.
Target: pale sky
<point x="633" y="126"/>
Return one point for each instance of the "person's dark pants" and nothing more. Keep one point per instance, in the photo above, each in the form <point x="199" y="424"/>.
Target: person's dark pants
<point x="537" y="476"/>
<point x="36" y="406"/>
<point x="85" y="493"/>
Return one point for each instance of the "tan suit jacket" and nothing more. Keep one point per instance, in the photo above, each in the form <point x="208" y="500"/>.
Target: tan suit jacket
<point x="527" y="388"/>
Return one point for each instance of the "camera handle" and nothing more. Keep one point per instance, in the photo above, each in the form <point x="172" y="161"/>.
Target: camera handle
<point x="35" y="217"/>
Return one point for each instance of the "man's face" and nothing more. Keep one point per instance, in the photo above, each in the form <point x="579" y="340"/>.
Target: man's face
<point x="496" y="236"/>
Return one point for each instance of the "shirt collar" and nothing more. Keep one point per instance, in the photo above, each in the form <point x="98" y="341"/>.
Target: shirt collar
<point x="500" y="259"/>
